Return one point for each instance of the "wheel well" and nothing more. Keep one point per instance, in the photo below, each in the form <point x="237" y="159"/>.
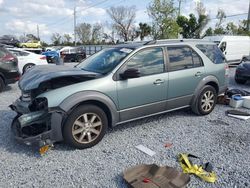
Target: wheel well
<point x="215" y="85"/>
<point x="2" y="77"/>
<point x="100" y="105"/>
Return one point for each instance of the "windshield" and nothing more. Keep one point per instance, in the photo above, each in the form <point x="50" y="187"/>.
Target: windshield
<point x="105" y="60"/>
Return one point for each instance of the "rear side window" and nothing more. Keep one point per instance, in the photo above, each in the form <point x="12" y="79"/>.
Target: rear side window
<point x="212" y="52"/>
<point x="183" y="57"/>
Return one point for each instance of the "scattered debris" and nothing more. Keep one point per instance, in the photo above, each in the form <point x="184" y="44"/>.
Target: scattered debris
<point x="153" y="176"/>
<point x="223" y="99"/>
<point x="246" y="102"/>
<point x="145" y="150"/>
<point x="238" y="114"/>
<point x="168" y="145"/>
<point x="44" y="149"/>
<point x="218" y="122"/>
<point x="187" y="166"/>
<point x="236" y="101"/>
<point x="232" y="92"/>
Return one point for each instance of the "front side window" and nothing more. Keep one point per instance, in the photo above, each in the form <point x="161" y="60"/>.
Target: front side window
<point x="105" y="60"/>
<point x="147" y="61"/>
<point x="183" y="57"/>
<point x="212" y="52"/>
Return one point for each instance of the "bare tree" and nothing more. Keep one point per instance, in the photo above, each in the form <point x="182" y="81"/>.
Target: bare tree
<point x="83" y="32"/>
<point x="56" y="39"/>
<point x="123" y="19"/>
<point x="97" y="31"/>
<point x="67" y="38"/>
<point x="221" y="15"/>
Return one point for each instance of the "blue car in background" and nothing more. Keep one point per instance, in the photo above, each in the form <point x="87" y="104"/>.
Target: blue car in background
<point x="52" y="56"/>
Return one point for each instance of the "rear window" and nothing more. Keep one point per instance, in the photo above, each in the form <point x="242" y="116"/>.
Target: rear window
<point x="212" y="52"/>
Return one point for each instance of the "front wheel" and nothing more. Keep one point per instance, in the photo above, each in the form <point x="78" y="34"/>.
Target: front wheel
<point x="206" y="101"/>
<point x="85" y="126"/>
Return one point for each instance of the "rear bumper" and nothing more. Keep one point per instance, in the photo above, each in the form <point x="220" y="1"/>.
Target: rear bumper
<point x="36" y="128"/>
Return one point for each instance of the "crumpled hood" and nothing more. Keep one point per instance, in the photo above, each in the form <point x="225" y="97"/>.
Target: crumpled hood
<point x="38" y="74"/>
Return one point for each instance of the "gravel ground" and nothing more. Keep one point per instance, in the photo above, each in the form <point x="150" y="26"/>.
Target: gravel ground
<point x="219" y="139"/>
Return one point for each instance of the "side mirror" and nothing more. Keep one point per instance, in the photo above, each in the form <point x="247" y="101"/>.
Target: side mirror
<point x="130" y="73"/>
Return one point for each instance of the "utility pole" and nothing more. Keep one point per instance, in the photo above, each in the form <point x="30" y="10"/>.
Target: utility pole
<point x="179" y="10"/>
<point x="75" y="25"/>
<point x="248" y="19"/>
<point x="37" y="28"/>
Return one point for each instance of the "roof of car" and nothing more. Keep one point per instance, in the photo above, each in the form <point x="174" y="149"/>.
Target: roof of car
<point x="135" y="45"/>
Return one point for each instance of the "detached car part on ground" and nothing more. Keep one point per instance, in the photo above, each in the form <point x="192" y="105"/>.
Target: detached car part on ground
<point x="117" y="85"/>
<point x="9" y="72"/>
<point x="242" y="73"/>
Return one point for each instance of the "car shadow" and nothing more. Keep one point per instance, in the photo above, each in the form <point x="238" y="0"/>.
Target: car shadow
<point x="182" y="113"/>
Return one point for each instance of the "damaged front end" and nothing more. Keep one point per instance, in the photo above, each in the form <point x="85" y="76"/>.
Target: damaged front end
<point x="33" y="123"/>
<point x="37" y="122"/>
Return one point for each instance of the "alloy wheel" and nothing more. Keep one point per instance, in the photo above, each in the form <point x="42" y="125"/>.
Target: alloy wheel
<point x="87" y="128"/>
<point x="207" y="101"/>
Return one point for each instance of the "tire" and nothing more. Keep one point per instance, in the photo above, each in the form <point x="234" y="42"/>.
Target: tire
<point x="239" y="81"/>
<point x="2" y="85"/>
<point x="79" y="58"/>
<point x="27" y="67"/>
<point x="206" y="101"/>
<point x="79" y="130"/>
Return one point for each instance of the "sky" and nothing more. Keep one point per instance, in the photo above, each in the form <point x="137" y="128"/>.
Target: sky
<point x="19" y="17"/>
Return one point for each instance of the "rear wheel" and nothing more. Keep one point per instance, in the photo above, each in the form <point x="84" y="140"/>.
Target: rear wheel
<point x="27" y="67"/>
<point x="206" y="101"/>
<point x="1" y="84"/>
<point x="85" y="126"/>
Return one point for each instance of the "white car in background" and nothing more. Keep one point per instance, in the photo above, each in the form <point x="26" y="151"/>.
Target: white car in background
<point x="27" y="59"/>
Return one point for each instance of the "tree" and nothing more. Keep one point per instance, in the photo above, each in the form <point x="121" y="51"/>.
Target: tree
<point x="67" y="39"/>
<point x="83" y="32"/>
<point x="97" y="31"/>
<point x="221" y="15"/>
<point x="56" y="39"/>
<point x="219" y="30"/>
<point x="144" y="30"/>
<point x="163" y="14"/>
<point x="193" y="27"/>
<point x="231" y="28"/>
<point x="123" y="19"/>
<point x="209" y="32"/>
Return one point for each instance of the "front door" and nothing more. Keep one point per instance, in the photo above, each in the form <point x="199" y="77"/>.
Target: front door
<point x="146" y="94"/>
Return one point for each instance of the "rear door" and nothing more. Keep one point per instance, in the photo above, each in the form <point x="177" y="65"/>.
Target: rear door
<point x="147" y="94"/>
<point x="186" y="70"/>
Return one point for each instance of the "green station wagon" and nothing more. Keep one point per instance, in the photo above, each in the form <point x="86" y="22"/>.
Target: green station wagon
<point x="119" y="84"/>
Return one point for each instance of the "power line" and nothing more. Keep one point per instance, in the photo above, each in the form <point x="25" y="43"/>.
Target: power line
<point x="233" y="15"/>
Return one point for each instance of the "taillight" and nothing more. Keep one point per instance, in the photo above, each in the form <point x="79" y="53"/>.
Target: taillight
<point x="8" y="58"/>
<point x="43" y="58"/>
<point x="226" y="70"/>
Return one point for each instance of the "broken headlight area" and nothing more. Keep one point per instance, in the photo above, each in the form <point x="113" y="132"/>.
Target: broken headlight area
<point x="31" y="124"/>
<point x="38" y="104"/>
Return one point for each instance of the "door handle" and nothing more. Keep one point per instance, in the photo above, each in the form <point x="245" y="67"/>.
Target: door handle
<point x="158" y="82"/>
<point x="198" y="74"/>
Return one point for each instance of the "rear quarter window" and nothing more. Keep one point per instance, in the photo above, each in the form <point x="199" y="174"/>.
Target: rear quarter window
<point x="212" y="52"/>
